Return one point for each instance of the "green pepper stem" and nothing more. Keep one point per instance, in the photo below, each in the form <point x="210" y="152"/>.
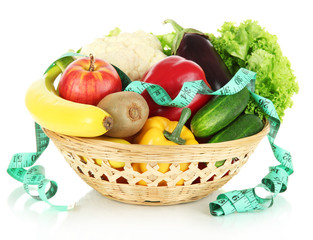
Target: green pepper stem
<point x="175" y="135"/>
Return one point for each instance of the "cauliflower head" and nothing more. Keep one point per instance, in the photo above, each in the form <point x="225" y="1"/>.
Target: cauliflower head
<point x="134" y="53"/>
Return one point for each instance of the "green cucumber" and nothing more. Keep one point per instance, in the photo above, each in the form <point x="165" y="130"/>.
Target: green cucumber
<point x="244" y="126"/>
<point x="218" y="113"/>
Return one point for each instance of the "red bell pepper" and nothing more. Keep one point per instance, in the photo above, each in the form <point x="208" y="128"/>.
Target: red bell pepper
<point x="171" y="73"/>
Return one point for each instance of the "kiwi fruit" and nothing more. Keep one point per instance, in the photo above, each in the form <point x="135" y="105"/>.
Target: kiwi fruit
<point x="129" y="111"/>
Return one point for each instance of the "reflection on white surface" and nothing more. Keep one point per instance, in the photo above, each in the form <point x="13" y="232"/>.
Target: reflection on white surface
<point x="94" y="214"/>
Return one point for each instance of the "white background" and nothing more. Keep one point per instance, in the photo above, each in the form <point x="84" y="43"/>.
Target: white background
<point x="34" y="33"/>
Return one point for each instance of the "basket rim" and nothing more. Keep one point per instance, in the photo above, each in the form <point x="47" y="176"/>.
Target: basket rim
<point x="98" y="141"/>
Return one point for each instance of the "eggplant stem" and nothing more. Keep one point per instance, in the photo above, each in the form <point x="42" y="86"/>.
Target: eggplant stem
<point x="175" y="25"/>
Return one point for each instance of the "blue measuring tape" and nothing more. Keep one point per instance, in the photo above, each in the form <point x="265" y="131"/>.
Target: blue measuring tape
<point x="35" y="175"/>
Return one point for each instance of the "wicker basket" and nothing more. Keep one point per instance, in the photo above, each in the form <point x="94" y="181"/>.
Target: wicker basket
<point x="200" y="179"/>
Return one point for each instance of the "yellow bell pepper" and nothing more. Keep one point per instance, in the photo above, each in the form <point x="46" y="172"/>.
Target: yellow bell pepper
<point x="114" y="164"/>
<point x="161" y="131"/>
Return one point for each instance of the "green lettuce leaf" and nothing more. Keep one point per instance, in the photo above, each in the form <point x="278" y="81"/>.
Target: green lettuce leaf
<point x="251" y="46"/>
<point x="167" y="42"/>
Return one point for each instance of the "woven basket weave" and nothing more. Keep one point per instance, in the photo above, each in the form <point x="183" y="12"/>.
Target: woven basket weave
<point x="200" y="179"/>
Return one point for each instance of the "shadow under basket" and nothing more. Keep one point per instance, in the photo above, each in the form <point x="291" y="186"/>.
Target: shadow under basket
<point x="192" y="171"/>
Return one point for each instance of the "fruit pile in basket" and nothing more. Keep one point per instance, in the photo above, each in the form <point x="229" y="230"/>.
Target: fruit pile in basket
<point x="91" y="100"/>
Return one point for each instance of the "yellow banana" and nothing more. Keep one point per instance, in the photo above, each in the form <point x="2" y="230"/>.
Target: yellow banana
<point x="63" y="116"/>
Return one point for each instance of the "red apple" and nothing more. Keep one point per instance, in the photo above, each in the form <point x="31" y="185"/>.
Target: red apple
<point x="88" y="80"/>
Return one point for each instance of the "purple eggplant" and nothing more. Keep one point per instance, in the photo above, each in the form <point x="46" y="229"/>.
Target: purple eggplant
<point x="196" y="46"/>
